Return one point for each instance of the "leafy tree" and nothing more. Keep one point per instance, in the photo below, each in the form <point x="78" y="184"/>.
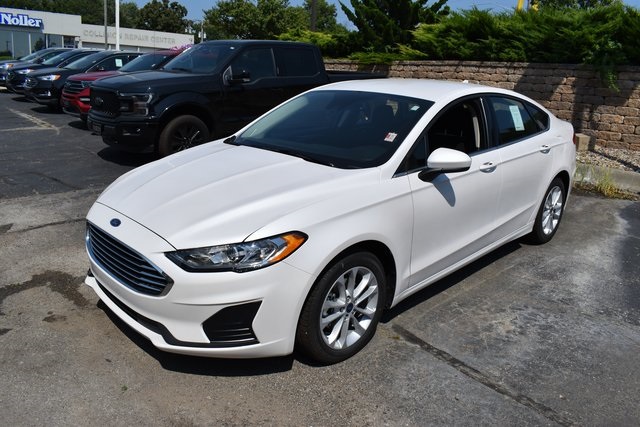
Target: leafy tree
<point x="382" y="24"/>
<point x="231" y="19"/>
<point x="163" y="16"/>
<point x="246" y="19"/>
<point x="92" y="12"/>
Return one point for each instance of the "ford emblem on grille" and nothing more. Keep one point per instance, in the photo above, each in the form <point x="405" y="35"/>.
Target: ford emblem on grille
<point x="115" y="222"/>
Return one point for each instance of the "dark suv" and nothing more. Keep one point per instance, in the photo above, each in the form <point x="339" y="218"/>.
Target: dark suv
<point x="45" y="86"/>
<point x="17" y="76"/>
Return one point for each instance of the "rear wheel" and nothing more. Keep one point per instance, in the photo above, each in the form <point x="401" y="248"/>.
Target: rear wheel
<point x="550" y="213"/>
<point x="181" y="133"/>
<point x="343" y="309"/>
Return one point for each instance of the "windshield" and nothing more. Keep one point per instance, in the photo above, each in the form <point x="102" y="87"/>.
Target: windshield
<point x="85" y="62"/>
<point x="201" y="58"/>
<point x="60" y="57"/>
<point x="31" y="56"/>
<point x="345" y="129"/>
<point x="150" y="61"/>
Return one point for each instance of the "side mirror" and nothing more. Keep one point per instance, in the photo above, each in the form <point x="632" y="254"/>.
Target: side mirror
<point x="444" y="160"/>
<point x="243" y="76"/>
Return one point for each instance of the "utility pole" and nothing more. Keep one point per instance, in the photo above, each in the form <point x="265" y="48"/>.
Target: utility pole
<point x="314" y="15"/>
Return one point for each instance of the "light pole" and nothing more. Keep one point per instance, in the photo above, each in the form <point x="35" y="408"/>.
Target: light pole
<point x="117" y="24"/>
<point x="106" y="43"/>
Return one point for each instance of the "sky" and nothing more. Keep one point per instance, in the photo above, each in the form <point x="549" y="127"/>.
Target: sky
<point x="195" y="7"/>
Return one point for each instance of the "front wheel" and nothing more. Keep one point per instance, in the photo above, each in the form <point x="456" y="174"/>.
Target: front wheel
<point x="181" y="133"/>
<point x="343" y="309"/>
<point x="550" y="213"/>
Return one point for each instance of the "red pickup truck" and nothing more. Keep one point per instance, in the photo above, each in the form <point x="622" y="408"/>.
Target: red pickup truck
<point x="75" y="95"/>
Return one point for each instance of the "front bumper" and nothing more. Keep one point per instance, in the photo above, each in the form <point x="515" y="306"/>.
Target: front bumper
<point x="188" y="316"/>
<point x="43" y="94"/>
<point x="126" y="133"/>
<point x="75" y="105"/>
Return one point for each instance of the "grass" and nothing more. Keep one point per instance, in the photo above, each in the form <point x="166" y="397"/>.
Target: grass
<point x="590" y="179"/>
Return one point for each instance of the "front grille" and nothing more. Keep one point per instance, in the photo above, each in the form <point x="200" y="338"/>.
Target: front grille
<point x="105" y="102"/>
<point x="73" y="87"/>
<point x="126" y="265"/>
<point x="31" y="82"/>
<point x="11" y="75"/>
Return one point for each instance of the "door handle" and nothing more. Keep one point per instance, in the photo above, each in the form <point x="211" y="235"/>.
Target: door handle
<point x="488" y="167"/>
<point x="545" y="149"/>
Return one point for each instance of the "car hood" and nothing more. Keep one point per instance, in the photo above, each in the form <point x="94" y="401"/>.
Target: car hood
<point x="142" y="81"/>
<point x="93" y="76"/>
<point x="219" y="193"/>
<point x="53" y="70"/>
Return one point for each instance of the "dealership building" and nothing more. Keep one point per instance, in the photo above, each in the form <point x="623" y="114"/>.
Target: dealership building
<point x="24" y="31"/>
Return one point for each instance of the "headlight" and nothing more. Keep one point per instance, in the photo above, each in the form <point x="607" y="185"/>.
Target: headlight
<point x="50" y="77"/>
<point x="135" y="103"/>
<point x="239" y="257"/>
<point x="24" y="71"/>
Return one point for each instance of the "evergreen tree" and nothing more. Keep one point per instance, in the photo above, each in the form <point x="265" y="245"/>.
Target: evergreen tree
<point x="383" y="24"/>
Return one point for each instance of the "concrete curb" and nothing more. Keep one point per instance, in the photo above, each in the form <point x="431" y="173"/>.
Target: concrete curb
<point x="623" y="180"/>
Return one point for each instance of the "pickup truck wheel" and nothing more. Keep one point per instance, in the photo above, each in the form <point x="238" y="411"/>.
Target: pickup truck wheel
<point x="181" y="133"/>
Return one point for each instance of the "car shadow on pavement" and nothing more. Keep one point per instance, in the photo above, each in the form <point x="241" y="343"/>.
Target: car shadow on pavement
<point x="124" y="158"/>
<point x="20" y="98"/>
<point x="451" y="280"/>
<point x="201" y="365"/>
<point x="78" y="124"/>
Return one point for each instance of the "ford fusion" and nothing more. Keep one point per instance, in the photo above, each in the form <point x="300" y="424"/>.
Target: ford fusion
<point x="300" y="229"/>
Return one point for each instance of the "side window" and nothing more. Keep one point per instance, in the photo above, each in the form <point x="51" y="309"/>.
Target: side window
<point x="513" y="120"/>
<point x="296" y="62"/>
<point x="460" y="128"/>
<point x="110" y="64"/>
<point x="258" y="63"/>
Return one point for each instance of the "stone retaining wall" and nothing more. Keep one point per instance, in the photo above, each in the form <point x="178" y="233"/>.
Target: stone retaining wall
<point x="572" y="92"/>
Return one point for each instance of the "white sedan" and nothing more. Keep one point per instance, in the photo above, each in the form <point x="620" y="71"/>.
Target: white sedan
<point x="300" y="229"/>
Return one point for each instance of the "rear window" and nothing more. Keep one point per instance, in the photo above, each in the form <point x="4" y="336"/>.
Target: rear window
<point x="515" y="121"/>
<point x="296" y="62"/>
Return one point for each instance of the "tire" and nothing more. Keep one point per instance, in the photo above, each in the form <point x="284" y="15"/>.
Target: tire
<point x="550" y="213"/>
<point x="343" y="309"/>
<point x="181" y="133"/>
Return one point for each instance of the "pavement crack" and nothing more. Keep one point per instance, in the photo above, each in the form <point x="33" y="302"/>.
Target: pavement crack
<point x="483" y="379"/>
<point x="50" y="224"/>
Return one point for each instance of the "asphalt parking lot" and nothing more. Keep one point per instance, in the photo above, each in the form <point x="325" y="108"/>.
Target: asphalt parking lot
<point x="528" y="335"/>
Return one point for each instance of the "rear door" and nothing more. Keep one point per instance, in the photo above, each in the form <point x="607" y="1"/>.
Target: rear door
<point x="520" y="134"/>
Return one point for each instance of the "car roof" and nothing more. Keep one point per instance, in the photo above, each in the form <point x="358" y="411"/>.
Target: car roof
<point x="432" y="90"/>
<point x="240" y="43"/>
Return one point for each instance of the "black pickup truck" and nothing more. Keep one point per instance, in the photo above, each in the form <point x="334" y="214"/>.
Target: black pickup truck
<point x="209" y="91"/>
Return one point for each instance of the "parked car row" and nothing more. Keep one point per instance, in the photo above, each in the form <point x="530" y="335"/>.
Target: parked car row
<point x="60" y="78"/>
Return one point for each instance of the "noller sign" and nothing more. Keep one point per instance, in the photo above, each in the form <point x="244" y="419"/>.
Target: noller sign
<point x="19" y="20"/>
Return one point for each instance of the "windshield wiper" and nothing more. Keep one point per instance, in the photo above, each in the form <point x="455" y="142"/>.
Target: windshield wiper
<point x="297" y="154"/>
